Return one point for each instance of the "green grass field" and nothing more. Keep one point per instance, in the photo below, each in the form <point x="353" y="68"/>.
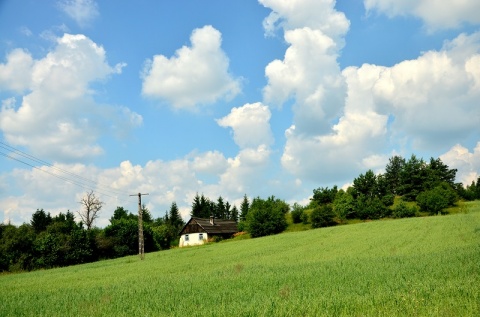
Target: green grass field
<point x="428" y="266"/>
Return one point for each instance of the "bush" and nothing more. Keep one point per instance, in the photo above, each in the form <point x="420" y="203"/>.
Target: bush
<point x="322" y="216"/>
<point x="266" y="217"/>
<point x="403" y="211"/>
<point x="368" y="208"/>
<point x="434" y="201"/>
<point x="297" y="213"/>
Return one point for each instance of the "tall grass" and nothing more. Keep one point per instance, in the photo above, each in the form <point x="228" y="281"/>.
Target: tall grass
<point x="410" y="267"/>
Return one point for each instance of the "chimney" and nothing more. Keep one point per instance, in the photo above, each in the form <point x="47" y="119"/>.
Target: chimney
<point x="212" y="220"/>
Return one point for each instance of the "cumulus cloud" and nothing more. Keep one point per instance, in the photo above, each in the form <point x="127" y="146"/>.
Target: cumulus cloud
<point x="467" y="163"/>
<point x="348" y="121"/>
<point x="15" y="74"/>
<point x="427" y="103"/>
<point x="195" y="75"/>
<point x="434" y="98"/>
<point x="436" y="15"/>
<point x="57" y="117"/>
<point x="250" y="124"/>
<point x="81" y="11"/>
<point x="314" y="14"/>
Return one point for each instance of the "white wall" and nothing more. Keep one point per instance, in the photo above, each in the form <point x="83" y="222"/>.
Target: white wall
<point x="193" y="239"/>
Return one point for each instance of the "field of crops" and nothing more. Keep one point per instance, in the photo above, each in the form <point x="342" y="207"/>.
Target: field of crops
<point x="411" y="267"/>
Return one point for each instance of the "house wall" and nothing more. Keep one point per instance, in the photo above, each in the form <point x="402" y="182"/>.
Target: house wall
<point x="193" y="239"/>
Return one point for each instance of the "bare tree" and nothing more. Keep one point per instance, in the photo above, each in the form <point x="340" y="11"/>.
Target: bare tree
<point x="91" y="207"/>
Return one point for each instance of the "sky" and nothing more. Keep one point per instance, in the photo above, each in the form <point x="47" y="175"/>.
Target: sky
<point x="227" y="98"/>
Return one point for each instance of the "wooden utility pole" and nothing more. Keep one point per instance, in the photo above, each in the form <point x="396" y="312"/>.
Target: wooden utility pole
<point x="141" y="245"/>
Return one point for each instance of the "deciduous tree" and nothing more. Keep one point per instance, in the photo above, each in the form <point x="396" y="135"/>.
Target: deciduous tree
<point x="91" y="206"/>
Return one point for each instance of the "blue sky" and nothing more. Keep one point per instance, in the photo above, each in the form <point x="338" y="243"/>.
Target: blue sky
<point x="261" y="98"/>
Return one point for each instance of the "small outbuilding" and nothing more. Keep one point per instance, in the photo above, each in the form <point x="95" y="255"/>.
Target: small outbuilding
<point x="198" y="230"/>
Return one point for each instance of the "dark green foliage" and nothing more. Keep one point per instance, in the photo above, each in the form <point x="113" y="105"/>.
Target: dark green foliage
<point x="146" y="215"/>
<point x="174" y="219"/>
<point x="266" y="217"/>
<point x="437" y="173"/>
<point x="297" y="213"/>
<point x="322" y="216"/>
<point x="471" y="192"/>
<point x="244" y="207"/>
<point x="324" y="195"/>
<point x="434" y="201"/>
<point x="202" y="207"/>
<point x="40" y="220"/>
<point x="413" y="177"/>
<point x="393" y="174"/>
<point x="365" y="185"/>
<point x="234" y="214"/>
<point x="344" y="205"/>
<point x="120" y="213"/>
<point x="371" y="208"/>
<point x="403" y="211"/>
<point x="16" y="248"/>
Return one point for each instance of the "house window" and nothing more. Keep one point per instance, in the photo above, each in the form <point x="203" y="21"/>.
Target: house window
<point x="186" y="237"/>
<point x="200" y="236"/>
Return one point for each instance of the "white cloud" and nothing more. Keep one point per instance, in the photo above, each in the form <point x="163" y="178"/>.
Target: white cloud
<point x="58" y="118"/>
<point x="314" y="14"/>
<point x="81" y="11"/>
<point x="310" y="74"/>
<point x="15" y="74"/>
<point x="435" y="14"/>
<point x="195" y="75"/>
<point x="250" y="124"/>
<point x="467" y="164"/>
<point x="434" y="98"/>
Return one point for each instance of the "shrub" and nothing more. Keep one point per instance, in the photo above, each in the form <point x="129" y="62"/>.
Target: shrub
<point x="297" y="213"/>
<point x="322" y="216"/>
<point x="266" y="217"/>
<point x="403" y="211"/>
<point x="434" y="201"/>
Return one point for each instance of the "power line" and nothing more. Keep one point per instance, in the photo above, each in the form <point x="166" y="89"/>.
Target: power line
<point x="70" y="177"/>
<point x="82" y="179"/>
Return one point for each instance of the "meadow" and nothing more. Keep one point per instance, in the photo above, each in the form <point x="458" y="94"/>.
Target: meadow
<point x="426" y="266"/>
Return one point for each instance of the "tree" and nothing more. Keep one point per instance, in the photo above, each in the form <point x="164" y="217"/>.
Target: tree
<point x="438" y="172"/>
<point x="119" y="213"/>
<point x="344" y="205"/>
<point x="434" y="201"/>
<point x="324" y="195"/>
<point x="322" y="216"/>
<point x="196" y="208"/>
<point x="393" y="172"/>
<point x="91" y="207"/>
<point x="366" y="185"/>
<point x="266" y="217"/>
<point x="174" y="218"/>
<point x="297" y="213"/>
<point x="244" y="207"/>
<point x="40" y="220"/>
<point x="413" y="177"/>
<point x="234" y="213"/>
<point x="146" y="215"/>
<point x="220" y="209"/>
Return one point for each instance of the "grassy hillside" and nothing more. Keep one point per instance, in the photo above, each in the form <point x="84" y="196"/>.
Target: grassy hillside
<point x="420" y="266"/>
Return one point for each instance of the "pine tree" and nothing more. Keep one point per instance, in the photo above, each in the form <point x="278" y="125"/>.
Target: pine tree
<point x="196" y="207"/>
<point x="174" y="216"/>
<point x="244" y="207"/>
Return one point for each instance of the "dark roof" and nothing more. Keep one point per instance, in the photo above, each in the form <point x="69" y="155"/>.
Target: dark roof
<point x="220" y="226"/>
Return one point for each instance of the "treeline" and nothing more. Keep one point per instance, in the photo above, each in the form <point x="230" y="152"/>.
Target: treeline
<point x="48" y="242"/>
<point x="417" y="187"/>
<point x="421" y="187"/>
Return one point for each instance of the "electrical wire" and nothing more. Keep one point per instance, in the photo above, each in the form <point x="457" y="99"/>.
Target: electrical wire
<point x="69" y="177"/>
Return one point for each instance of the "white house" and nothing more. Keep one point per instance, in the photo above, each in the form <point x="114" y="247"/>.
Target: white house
<point x="198" y="230"/>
